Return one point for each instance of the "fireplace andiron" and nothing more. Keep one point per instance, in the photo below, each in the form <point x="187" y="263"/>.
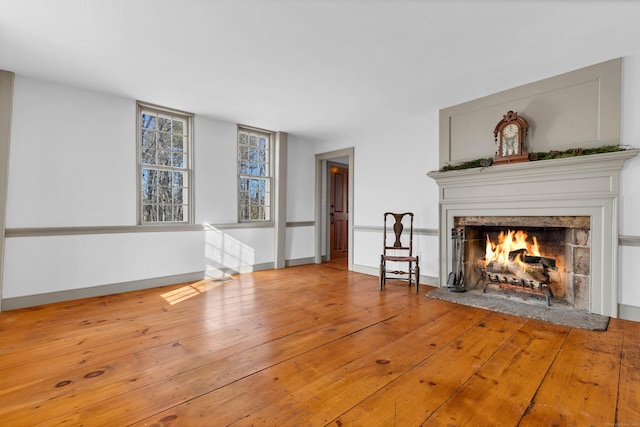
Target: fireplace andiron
<point x="455" y="281"/>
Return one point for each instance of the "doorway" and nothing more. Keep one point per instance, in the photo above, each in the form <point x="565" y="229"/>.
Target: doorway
<point x="338" y="202"/>
<point x="338" y="248"/>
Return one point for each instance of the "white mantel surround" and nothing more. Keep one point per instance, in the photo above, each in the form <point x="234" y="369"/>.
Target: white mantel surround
<point x="573" y="186"/>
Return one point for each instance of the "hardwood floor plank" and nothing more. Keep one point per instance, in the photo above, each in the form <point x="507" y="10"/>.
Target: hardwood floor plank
<point x="319" y="401"/>
<point x="206" y="373"/>
<point x="306" y="345"/>
<point x="581" y="386"/>
<point x="97" y="343"/>
<point x="242" y="398"/>
<point x="500" y="391"/>
<point x="75" y="389"/>
<point x="420" y="391"/>
<point x="628" y="409"/>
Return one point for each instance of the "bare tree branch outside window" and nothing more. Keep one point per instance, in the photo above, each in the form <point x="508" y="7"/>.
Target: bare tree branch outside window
<point x="164" y="141"/>
<point x="254" y="174"/>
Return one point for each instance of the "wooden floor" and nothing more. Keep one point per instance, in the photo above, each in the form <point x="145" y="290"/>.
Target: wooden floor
<point x="310" y="345"/>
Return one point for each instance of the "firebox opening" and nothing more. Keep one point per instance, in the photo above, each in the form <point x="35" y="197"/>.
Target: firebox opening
<point x="545" y="256"/>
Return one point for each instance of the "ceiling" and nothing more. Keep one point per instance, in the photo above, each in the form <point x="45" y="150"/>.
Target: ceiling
<point x="316" y="69"/>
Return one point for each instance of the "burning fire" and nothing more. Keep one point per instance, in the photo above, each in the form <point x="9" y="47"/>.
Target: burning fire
<point x="509" y="242"/>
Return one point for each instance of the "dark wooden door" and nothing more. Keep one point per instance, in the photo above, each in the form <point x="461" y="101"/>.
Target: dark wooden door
<point x="339" y="211"/>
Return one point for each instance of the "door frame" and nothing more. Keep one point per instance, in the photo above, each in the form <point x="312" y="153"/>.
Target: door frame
<point x="321" y="220"/>
<point x="6" y="115"/>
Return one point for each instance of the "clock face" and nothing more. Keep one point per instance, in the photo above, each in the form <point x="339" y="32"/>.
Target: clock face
<point x="510" y="140"/>
<point x="510" y="131"/>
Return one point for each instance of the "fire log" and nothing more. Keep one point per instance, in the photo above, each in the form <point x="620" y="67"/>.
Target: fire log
<point x="533" y="272"/>
<point x="547" y="262"/>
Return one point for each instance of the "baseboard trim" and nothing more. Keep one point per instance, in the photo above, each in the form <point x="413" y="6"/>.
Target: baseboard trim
<point x="299" y="261"/>
<point x="116" y="288"/>
<point x="97" y="291"/>
<point x="629" y="312"/>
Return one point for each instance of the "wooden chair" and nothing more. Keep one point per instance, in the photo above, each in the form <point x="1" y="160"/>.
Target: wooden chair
<point x="400" y="251"/>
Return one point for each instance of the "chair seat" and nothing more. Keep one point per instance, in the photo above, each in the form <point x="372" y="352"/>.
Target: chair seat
<point x="400" y="258"/>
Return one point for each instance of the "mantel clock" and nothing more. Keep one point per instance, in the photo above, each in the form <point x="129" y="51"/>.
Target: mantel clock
<point x="510" y="133"/>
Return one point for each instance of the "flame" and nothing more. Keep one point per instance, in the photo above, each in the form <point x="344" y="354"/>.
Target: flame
<point x="508" y="242"/>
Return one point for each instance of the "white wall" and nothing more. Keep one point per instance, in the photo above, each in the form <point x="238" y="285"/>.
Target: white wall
<point x="629" y="272"/>
<point x="390" y="174"/>
<point x="216" y="171"/>
<point x="41" y="265"/>
<point x="300" y="179"/>
<point x="391" y="163"/>
<point x="300" y="198"/>
<point x="73" y="164"/>
<point x="73" y="157"/>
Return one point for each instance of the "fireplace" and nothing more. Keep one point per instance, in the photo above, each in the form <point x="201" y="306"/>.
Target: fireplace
<point x="528" y="257"/>
<point x="569" y="203"/>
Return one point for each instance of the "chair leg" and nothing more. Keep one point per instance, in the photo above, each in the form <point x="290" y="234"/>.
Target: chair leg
<point x="417" y="273"/>
<point x="382" y="271"/>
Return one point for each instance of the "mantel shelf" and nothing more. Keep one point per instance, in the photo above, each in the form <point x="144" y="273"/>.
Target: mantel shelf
<point x="567" y="164"/>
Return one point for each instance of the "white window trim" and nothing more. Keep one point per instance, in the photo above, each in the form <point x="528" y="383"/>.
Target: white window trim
<point x="270" y="177"/>
<point x="190" y="217"/>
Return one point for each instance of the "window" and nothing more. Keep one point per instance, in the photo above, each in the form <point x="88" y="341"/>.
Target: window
<point x="164" y="165"/>
<point x="254" y="173"/>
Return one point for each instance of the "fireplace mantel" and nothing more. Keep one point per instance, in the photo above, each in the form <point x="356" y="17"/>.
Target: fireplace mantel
<point x="573" y="186"/>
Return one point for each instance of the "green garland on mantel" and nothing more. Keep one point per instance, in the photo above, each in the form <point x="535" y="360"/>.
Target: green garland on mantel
<point x="571" y="152"/>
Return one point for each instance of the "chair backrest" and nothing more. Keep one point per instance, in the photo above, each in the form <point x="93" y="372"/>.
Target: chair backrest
<point x="398" y="232"/>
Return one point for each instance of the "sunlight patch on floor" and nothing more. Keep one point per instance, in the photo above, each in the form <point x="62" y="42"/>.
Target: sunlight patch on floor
<point x="193" y="289"/>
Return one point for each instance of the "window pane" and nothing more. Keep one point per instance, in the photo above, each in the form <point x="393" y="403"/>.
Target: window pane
<point x="164" y="158"/>
<point x="178" y="213"/>
<point x="164" y="141"/>
<point x="149" y="193"/>
<point x="149" y="213"/>
<point x="178" y="160"/>
<point x="243" y="152"/>
<point x="178" y="179"/>
<point x="244" y="213"/>
<point x="148" y="157"/>
<point x="149" y="176"/>
<point x="148" y="120"/>
<point x="178" y="143"/>
<point x="164" y="123"/>
<point x="255" y="212"/>
<point x="178" y="127"/>
<point x="178" y="195"/>
<point x="164" y="178"/>
<point x="244" y="168"/>
<point x="165" y="213"/>
<point x="165" y="194"/>
<point x="148" y="139"/>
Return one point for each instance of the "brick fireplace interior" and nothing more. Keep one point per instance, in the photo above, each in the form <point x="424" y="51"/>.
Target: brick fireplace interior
<point x="558" y="271"/>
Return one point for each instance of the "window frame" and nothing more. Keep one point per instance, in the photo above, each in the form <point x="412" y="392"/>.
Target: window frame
<point x="188" y="192"/>
<point x="269" y="177"/>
